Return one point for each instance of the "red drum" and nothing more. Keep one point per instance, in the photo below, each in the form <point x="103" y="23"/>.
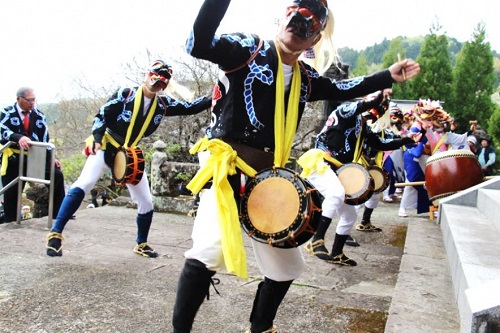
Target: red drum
<point x="128" y="166"/>
<point x="449" y="172"/>
<point x="280" y="208"/>
<point x="380" y="177"/>
<point x="357" y="182"/>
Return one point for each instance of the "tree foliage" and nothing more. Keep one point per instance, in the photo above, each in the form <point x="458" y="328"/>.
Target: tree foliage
<point x="473" y="80"/>
<point x="396" y="51"/>
<point x="435" y="78"/>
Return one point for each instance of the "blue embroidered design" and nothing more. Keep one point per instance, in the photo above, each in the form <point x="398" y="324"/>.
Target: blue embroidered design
<point x="157" y="119"/>
<point x="348" y="84"/>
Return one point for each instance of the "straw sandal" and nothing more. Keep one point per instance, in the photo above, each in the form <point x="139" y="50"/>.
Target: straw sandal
<point x="318" y="249"/>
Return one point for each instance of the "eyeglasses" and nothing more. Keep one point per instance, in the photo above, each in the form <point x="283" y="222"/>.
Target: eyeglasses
<point x="30" y="100"/>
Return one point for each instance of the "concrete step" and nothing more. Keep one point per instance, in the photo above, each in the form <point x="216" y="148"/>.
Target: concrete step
<point x="473" y="247"/>
<point x="488" y="203"/>
<point x="423" y="299"/>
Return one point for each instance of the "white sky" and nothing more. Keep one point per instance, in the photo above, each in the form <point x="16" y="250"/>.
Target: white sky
<point x="46" y="44"/>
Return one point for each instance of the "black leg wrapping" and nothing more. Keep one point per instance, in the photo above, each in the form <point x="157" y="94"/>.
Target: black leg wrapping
<point x="192" y="289"/>
<point x="323" y="226"/>
<point x="338" y="244"/>
<point x="265" y="305"/>
<point x="367" y="214"/>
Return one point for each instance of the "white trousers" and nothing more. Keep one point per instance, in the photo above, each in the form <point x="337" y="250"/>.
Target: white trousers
<point x="329" y="185"/>
<point x="275" y="263"/>
<point x="93" y="170"/>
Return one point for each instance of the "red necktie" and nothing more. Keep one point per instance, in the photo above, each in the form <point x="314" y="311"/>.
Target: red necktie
<point x="26" y="120"/>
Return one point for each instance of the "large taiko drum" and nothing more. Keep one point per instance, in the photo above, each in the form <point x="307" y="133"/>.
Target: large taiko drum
<point x="358" y="183"/>
<point x="128" y="166"/>
<point x="280" y="208"/>
<point x="449" y="172"/>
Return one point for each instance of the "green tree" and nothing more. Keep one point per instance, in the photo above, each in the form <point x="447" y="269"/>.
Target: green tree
<point x="435" y="78"/>
<point x="396" y="50"/>
<point x="473" y="81"/>
<point x="361" y="66"/>
<point x="493" y="128"/>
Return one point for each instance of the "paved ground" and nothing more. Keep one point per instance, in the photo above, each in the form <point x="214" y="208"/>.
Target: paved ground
<point x="100" y="285"/>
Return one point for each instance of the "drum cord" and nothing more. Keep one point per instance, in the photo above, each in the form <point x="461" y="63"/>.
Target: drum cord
<point x="213" y="282"/>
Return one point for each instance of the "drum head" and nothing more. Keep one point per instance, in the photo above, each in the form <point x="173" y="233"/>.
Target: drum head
<point x="280" y="208"/>
<point x="353" y="178"/>
<point x="120" y="165"/>
<point x="380" y="178"/>
<point x="273" y="205"/>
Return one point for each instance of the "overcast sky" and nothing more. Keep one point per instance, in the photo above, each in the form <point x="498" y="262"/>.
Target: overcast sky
<point x="46" y="44"/>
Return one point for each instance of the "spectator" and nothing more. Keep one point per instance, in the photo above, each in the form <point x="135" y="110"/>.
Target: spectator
<point x="486" y="156"/>
<point x="22" y="123"/>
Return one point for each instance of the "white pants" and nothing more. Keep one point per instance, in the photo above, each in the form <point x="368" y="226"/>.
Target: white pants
<point x="93" y="170"/>
<point x="373" y="201"/>
<point x="329" y="185"/>
<point x="275" y="263"/>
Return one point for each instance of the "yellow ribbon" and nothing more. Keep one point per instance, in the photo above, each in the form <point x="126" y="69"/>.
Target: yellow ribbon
<point x="137" y="104"/>
<point x="223" y="162"/>
<point x="312" y="160"/>
<point x="284" y="128"/>
<point x="6" y="153"/>
<point x="440" y="142"/>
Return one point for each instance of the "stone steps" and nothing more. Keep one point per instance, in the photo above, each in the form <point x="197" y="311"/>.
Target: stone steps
<point x="449" y="277"/>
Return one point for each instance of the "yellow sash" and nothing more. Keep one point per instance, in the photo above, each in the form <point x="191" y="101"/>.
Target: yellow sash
<point x="137" y="104"/>
<point x="222" y="162"/>
<point x="8" y="152"/>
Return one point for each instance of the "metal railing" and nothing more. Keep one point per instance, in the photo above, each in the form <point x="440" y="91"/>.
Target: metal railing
<point x="36" y="166"/>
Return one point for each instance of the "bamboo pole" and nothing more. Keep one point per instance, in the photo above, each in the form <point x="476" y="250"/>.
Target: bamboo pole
<point x="422" y="182"/>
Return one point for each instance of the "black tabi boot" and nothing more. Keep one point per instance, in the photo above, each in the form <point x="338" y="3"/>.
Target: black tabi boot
<point x="192" y="289"/>
<point x="316" y="246"/>
<point x="339" y="257"/>
<point x="366" y="225"/>
<point x="367" y="214"/>
<point x="267" y="300"/>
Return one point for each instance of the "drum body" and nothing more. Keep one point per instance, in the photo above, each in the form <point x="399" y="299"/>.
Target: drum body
<point x="280" y="208"/>
<point x="449" y="172"/>
<point x="380" y="177"/>
<point x="128" y="166"/>
<point x="357" y="182"/>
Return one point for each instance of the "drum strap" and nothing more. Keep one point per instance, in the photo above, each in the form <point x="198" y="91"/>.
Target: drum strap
<point x="359" y="142"/>
<point x="379" y="158"/>
<point x="285" y="126"/>
<point x="252" y="57"/>
<point x="440" y="142"/>
<point x="137" y="105"/>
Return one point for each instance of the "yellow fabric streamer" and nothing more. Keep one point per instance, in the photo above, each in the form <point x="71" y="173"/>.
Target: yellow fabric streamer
<point x="151" y="112"/>
<point x="6" y="153"/>
<point x="285" y="128"/>
<point x="312" y="160"/>
<point x="223" y="162"/>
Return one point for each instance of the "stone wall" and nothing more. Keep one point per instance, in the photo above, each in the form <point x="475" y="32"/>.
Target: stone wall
<point x="168" y="180"/>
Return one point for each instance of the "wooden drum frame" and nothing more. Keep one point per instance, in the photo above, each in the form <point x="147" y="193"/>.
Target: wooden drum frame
<point x="280" y="208"/>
